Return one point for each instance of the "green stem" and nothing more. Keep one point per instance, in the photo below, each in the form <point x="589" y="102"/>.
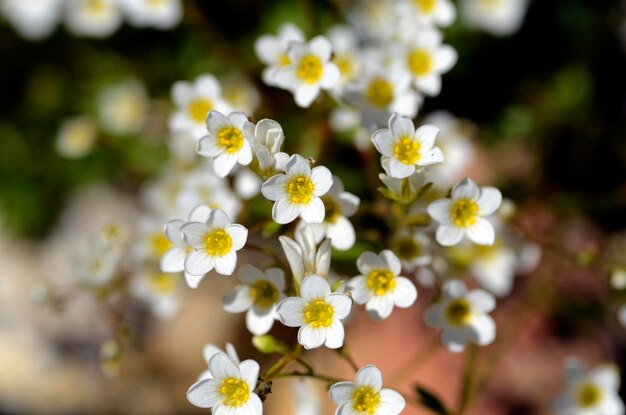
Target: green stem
<point x="345" y="354"/>
<point x="466" y="385"/>
<point x="322" y="378"/>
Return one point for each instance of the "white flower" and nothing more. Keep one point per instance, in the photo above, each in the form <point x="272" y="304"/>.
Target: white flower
<point x="432" y="12"/>
<point x="228" y="141"/>
<point x="215" y="243"/>
<point x="241" y="93"/>
<point x="595" y="392"/>
<point x="272" y="50"/>
<point x="173" y="259"/>
<point x="76" y="137"/>
<point x="193" y="102"/>
<point x="266" y="142"/>
<point x="159" y="14"/>
<point x="231" y="390"/>
<point x="160" y="290"/>
<point x="304" y="256"/>
<point x="338" y="206"/>
<point x="261" y="292"/>
<point x="345" y="54"/>
<point x="366" y="395"/>
<point x="318" y="313"/>
<point x="122" y="108"/>
<point x="309" y="70"/>
<point x="33" y="19"/>
<point x="497" y="17"/>
<point x="95" y="18"/>
<point x="379" y="286"/>
<point x="463" y="316"/>
<point x="247" y="184"/>
<point x="425" y="59"/>
<point x="464" y="214"/>
<point x="298" y="192"/>
<point x="100" y="264"/>
<point x="209" y="350"/>
<point x="406" y="149"/>
<point x="413" y="249"/>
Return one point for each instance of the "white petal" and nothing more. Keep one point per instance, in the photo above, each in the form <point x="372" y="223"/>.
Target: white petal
<point x="254" y="405"/>
<point x="284" y="211"/>
<point x="215" y="121"/>
<point x="204" y="393"/>
<point x="238" y="234"/>
<point x="322" y="179"/>
<point x="391" y="402"/>
<point x="314" y="287"/>
<point x="198" y="263"/>
<point x="224" y="163"/>
<point x="238" y="300"/>
<point x="193" y="280"/>
<point x="465" y="189"/>
<point x="606" y="376"/>
<point x="379" y="307"/>
<point x="401" y="126"/>
<point x="226" y="264"/>
<point x="454" y="289"/>
<point x="330" y="77"/>
<point x="429" y="84"/>
<point x="434" y="316"/>
<point x="454" y="340"/>
<point x="440" y="211"/>
<point x="323" y="257"/>
<point x="448" y="235"/>
<point x="391" y="261"/>
<point x="277" y="277"/>
<point x="274" y="187"/>
<point x="200" y="213"/>
<point x="294" y="256"/>
<point x="489" y="200"/>
<point x="221" y="366"/>
<point x="181" y="93"/>
<point x="335" y="335"/>
<point x="249" y="370"/>
<point x="259" y="324"/>
<point x="267" y="49"/>
<point x="400" y="170"/>
<point x="433" y="156"/>
<point x="298" y="165"/>
<point x="405" y="293"/>
<point x="342" y="304"/>
<point x="481" y="301"/>
<point x="321" y="47"/>
<point x="483" y="330"/>
<point x="426" y="135"/>
<point x="172" y="231"/>
<point x="305" y="94"/>
<point x="369" y="376"/>
<point x="445" y="58"/>
<point x="383" y="141"/>
<point x="342" y="392"/>
<point x="244" y="155"/>
<point x="311" y="338"/>
<point x="314" y="211"/>
<point x="249" y="274"/>
<point x="289" y="311"/>
<point x="481" y="232"/>
<point x="194" y="234"/>
<point x="369" y="261"/>
<point x="358" y="287"/>
<point x="173" y="260"/>
<point x="341" y="233"/>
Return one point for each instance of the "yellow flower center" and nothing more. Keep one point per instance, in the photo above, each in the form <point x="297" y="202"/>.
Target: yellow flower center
<point x="332" y="209"/>
<point x="310" y="69"/>
<point x="283" y="60"/>
<point x="420" y="62"/>
<point x="155" y="4"/>
<point x="381" y="281"/>
<point x="365" y="400"/>
<point x="408" y="248"/>
<point x="234" y="391"/>
<point x="264" y="293"/>
<point x="458" y="312"/>
<point x="300" y="190"/>
<point x="199" y="108"/>
<point x="159" y="244"/>
<point x="346" y="66"/>
<point x="588" y="395"/>
<point x="218" y="242"/>
<point x="464" y="212"/>
<point x="96" y="6"/>
<point x="380" y="92"/>
<point x="230" y="138"/>
<point x="407" y="151"/>
<point x="426" y="6"/>
<point x="318" y="313"/>
<point x="162" y="283"/>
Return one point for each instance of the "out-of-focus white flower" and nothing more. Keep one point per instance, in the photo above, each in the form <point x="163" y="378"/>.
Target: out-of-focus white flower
<point x="228" y="141"/>
<point x="430" y="12"/>
<point x="307" y="398"/>
<point x="266" y="142"/>
<point x="258" y="296"/>
<point x="158" y="14"/>
<point x="464" y="214"/>
<point x="366" y="395"/>
<point x="33" y="19"/>
<point x="272" y="50"/>
<point x="621" y="315"/>
<point x="95" y="18"/>
<point x="339" y="205"/>
<point x="308" y="71"/>
<point x="426" y="59"/>
<point x="76" y="137"/>
<point x="99" y="265"/>
<point x="497" y="17"/>
<point x="593" y="392"/>
<point x="318" y="313"/>
<point x="298" y="192"/>
<point x="211" y="350"/>
<point x="241" y="94"/>
<point x="380" y="286"/>
<point x="345" y="54"/>
<point x="160" y="290"/>
<point x="455" y="144"/>
<point x="304" y="256"/>
<point x="122" y="108"/>
<point x="374" y="20"/>
<point x="463" y="316"/>
<point x="193" y="102"/>
<point x="412" y="247"/>
<point x="247" y="184"/>
<point x="215" y="243"/>
<point x="231" y="388"/>
<point x="618" y="279"/>
<point x="406" y="149"/>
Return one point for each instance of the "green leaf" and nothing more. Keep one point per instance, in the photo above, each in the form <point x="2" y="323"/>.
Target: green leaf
<point x="430" y="401"/>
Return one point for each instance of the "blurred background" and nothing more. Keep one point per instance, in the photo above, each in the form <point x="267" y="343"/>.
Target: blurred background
<point x="86" y="156"/>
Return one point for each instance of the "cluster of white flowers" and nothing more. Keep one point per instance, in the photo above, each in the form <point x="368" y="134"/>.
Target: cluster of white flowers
<point x="35" y="20"/>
